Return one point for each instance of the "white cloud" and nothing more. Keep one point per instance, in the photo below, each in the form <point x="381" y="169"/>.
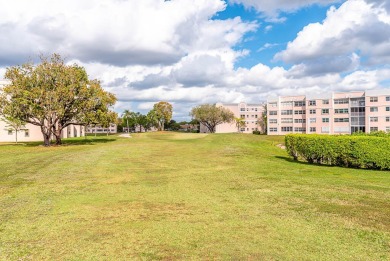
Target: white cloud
<point x="355" y="27"/>
<point x="146" y="32"/>
<point x="272" y="8"/>
<point x="150" y="50"/>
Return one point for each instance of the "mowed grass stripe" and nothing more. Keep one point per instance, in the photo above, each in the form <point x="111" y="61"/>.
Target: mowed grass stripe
<point x="186" y="196"/>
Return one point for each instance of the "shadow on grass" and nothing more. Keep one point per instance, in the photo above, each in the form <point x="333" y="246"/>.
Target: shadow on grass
<point x="71" y="142"/>
<point x="324" y="165"/>
<point x="302" y="162"/>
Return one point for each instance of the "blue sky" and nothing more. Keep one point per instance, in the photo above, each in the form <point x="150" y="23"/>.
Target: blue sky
<point x="191" y="52"/>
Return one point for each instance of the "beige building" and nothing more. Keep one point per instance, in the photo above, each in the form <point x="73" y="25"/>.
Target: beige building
<point x="335" y="113"/>
<point x="99" y="129"/>
<point x="31" y="132"/>
<point x="251" y="113"/>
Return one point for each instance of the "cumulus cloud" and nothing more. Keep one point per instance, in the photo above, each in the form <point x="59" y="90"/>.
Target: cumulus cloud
<point x="355" y="27"/>
<point x="151" y="50"/>
<point x="122" y="33"/>
<point x="273" y="8"/>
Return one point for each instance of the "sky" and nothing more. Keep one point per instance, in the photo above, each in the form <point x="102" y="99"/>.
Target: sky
<point x="191" y="52"/>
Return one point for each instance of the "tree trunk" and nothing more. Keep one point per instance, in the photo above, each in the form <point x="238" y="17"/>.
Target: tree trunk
<point x="46" y="139"/>
<point x="57" y="134"/>
<point x="16" y="136"/>
<point x="58" y="139"/>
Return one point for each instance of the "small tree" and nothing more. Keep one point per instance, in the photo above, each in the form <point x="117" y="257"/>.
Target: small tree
<point x="210" y="115"/>
<point x="107" y="119"/>
<point x="125" y="116"/>
<point x="162" y="113"/>
<point x="10" y="117"/>
<point x="263" y="123"/>
<point x="240" y="123"/>
<point x="14" y="124"/>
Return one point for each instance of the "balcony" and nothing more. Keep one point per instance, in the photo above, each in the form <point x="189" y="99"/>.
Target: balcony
<point x="358" y="114"/>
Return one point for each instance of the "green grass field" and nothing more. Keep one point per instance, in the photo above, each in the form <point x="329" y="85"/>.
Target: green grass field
<point x="186" y="196"/>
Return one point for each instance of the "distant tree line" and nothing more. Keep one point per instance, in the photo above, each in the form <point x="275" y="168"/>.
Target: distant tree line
<point x="158" y="117"/>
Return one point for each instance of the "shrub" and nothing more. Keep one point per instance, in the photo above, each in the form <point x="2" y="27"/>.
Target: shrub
<point x="360" y="151"/>
<point x="256" y="132"/>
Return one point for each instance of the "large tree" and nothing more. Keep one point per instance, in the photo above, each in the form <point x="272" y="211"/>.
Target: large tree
<point x="211" y="115"/>
<point x="54" y="95"/>
<point x="162" y="113"/>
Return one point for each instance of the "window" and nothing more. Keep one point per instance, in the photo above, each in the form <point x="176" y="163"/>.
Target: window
<point x="273" y="104"/>
<point x="242" y="129"/>
<point x="388" y="129"/>
<point x="312" y="103"/>
<point x="242" y="109"/>
<point x="300" y="112"/>
<point x="26" y="133"/>
<point x="242" y="116"/>
<point x="341" y="119"/>
<point x="286" y="129"/>
<point x="373" y="109"/>
<point x="341" y="101"/>
<point x="325" y="111"/>
<point x="387" y="108"/>
<point x="287" y="120"/>
<point x="288" y="103"/>
<point x="340" y="111"/>
<point x="325" y="101"/>
<point x="299" y="129"/>
<point x="273" y="129"/>
<point x="313" y="129"/>
<point x="312" y="120"/>
<point x="287" y="112"/>
<point x="387" y="119"/>
<point x="300" y="120"/>
<point x="373" y="129"/>
<point x="388" y="98"/>
<point x="273" y="112"/>
<point x="312" y="111"/>
<point x="325" y="119"/>
<point x="272" y="121"/>
<point x="255" y="109"/>
<point x="256" y="116"/>
<point x="373" y="119"/>
<point x="341" y="130"/>
<point x="373" y="99"/>
<point x="325" y="129"/>
<point x="299" y="103"/>
<point x="10" y="132"/>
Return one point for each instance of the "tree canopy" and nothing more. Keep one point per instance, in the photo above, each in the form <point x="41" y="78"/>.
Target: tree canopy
<point x="54" y="95"/>
<point x="162" y="113"/>
<point x="211" y="115"/>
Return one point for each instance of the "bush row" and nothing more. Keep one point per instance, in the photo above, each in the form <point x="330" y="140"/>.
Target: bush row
<point x="370" y="152"/>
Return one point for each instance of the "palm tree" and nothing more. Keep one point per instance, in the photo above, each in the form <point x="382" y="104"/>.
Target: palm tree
<point x="240" y="123"/>
<point x="126" y="115"/>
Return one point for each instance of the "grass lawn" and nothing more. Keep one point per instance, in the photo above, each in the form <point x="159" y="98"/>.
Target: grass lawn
<point x="186" y="196"/>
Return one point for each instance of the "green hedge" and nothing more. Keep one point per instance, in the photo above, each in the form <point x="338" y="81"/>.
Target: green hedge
<point x="359" y="151"/>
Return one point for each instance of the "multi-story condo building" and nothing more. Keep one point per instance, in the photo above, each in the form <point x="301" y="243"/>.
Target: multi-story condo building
<point x="336" y="113"/>
<point x="31" y="132"/>
<point x="250" y="113"/>
<point x="99" y="129"/>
